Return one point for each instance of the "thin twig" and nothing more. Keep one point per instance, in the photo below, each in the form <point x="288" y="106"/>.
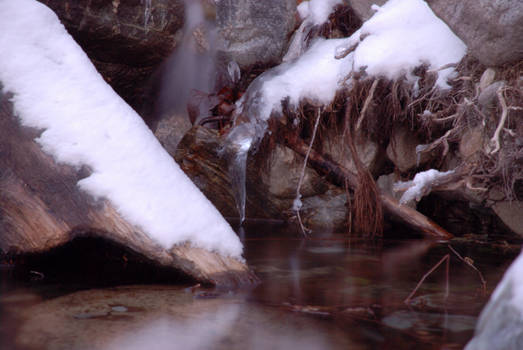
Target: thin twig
<point x="302" y="175"/>
<point x="469" y="263"/>
<point x="367" y="103"/>
<point x="446" y="257"/>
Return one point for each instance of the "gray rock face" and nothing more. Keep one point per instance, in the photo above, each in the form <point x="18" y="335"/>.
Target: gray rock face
<point x="254" y="31"/>
<point x="362" y="8"/>
<point x="492" y="29"/>
<point x="500" y="325"/>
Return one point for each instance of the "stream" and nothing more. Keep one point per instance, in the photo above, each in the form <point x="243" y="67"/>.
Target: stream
<point x="329" y="291"/>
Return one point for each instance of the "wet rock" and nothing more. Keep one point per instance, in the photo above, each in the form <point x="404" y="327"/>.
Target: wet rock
<point x="491" y="29"/>
<point x="255" y="32"/>
<point x="126" y="40"/>
<point x="402" y="149"/>
<point x="363" y="9"/>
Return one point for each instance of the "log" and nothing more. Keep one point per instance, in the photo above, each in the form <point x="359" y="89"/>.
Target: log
<point x="340" y="176"/>
<point x="41" y="207"/>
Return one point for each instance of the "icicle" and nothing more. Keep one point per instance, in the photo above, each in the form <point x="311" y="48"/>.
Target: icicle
<point x="240" y="140"/>
<point x="419" y="151"/>
<point x="234" y="71"/>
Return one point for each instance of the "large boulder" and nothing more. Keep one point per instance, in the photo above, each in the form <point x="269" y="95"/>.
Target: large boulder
<point x="491" y="29"/>
<point x="126" y="40"/>
<point x="254" y="32"/>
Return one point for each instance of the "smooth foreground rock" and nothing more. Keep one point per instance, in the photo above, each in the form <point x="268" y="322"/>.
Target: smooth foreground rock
<point x="491" y="29"/>
<point x="500" y="325"/>
<point x="253" y="31"/>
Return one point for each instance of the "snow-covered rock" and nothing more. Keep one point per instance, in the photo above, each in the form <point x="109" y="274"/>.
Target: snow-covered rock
<point x="500" y="325"/>
<point x="85" y="123"/>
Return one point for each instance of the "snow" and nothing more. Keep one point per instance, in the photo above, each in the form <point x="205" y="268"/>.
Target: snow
<point x="420" y="185"/>
<point x="56" y="88"/>
<point x="401" y="36"/>
<point x="404" y="34"/>
<point x="320" y="10"/>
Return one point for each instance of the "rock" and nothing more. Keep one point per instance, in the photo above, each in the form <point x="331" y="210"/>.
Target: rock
<point x="402" y="149"/>
<point x="326" y="211"/>
<point x="255" y="32"/>
<point x="471" y="142"/>
<point x="488" y="97"/>
<point x="491" y="29"/>
<point x="126" y="40"/>
<point x="170" y="131"/>
<point x="363" y="9"/>
<point x="500" y="325"/>
<point x="511" y="213"/>
<point x="368" y="151"/>
<point x="283" y="173"/>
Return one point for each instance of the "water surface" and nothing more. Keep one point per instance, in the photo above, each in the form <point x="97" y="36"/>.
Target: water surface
<point x="325" y="292"/>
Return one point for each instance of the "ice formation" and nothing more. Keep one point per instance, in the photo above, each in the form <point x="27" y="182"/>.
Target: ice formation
<point x="57" y="89"/>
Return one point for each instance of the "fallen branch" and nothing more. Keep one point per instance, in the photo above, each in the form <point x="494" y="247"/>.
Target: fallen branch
<point x="470" y="263"/>
<point x="341" y="176"/>
<point x="445" y="258"/>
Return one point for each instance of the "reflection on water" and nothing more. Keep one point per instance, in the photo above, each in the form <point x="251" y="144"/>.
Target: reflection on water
<point x="327" y="292"/>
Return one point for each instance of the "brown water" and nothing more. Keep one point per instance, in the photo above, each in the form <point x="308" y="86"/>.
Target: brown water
<point x="325" y="292"/>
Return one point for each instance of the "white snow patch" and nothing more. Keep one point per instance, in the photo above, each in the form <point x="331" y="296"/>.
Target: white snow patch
<point x="57" y="88"/>
<point x="404" y="34"/>
<point x="320" y="10"/>
<point x="421" y="185"/>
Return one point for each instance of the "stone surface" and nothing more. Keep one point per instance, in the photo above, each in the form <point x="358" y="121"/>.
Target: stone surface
<point x="253" y="31"/>
<point x="511" y="213"/>
<point x="283" y="173"/>
<point x="471" y="142"/>
<point x="362" y="8"/>
<point x="368" y="151"/>
<point x="125" y="39"/>
<point x="171" y="130"/>
<point x="491" y="29"/>
<point x="402" y="149"/>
